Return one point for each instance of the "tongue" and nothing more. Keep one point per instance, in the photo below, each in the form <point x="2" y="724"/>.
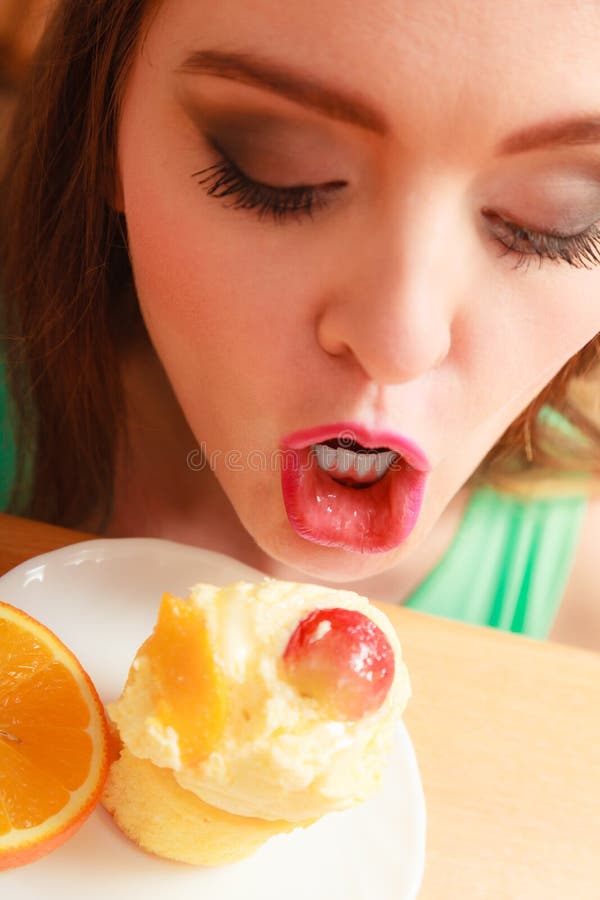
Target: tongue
<point x="372" y="521"/>
<point x="351" y="478"/>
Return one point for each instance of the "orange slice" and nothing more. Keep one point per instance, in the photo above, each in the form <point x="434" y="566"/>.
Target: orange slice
<point x="53" y="740"/>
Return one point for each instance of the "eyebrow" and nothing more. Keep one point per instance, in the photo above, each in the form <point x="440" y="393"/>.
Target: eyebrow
<point x="256" y="70"/>
<point x="345" y="106"/>
<point x="562" y="132"/>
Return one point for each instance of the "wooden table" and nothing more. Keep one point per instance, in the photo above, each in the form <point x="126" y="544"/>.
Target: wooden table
<point x="507" y="734"/>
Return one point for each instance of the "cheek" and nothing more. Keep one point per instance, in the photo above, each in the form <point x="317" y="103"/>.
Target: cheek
<point x="202" y="296"/>
<point x="230" y="326"/>
<point x="561" y="314"/>
<point x="533" y="325"/>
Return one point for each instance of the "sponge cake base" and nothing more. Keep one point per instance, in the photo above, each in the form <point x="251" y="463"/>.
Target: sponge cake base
<point x="152" y="809"/>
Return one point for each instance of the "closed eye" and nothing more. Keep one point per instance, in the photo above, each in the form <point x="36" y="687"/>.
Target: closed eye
<point x="225" y="179"/>
<point x="580" y="250"/>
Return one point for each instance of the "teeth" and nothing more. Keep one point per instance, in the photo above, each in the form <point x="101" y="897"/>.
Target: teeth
<point x="365" y="463"/>
<point x="326" y="456"/>
<point x="383" y="461"/>
<point x="362" y="466"/>
<point x="345" y="459"/>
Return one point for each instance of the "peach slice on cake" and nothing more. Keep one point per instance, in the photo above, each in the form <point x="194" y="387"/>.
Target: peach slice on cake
<point x="189" y="685"/>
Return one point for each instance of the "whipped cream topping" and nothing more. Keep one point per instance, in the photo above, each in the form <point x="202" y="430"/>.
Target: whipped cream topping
<point x="281" y="755"/>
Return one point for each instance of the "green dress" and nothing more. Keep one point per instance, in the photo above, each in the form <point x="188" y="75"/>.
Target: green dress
<point x="508" y="564"/>
<point x="506" y="567"/>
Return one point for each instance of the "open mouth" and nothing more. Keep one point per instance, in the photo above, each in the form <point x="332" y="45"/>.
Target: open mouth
<point x="356" y="494"/>
<point x="353" y="465"/>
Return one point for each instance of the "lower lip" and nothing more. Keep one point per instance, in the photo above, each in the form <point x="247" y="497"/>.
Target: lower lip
<point x="374" y="519"/>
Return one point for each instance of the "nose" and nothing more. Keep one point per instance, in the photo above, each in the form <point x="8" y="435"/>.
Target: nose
<point x="393" y="312"/>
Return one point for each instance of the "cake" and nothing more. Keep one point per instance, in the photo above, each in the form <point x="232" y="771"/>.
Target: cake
<point x="251" y="710"/>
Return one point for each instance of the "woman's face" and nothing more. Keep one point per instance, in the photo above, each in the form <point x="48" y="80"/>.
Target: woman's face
<point x="430" y="270"/>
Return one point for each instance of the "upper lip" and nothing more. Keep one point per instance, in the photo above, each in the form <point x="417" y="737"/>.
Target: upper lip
<point x="368" y="437"/>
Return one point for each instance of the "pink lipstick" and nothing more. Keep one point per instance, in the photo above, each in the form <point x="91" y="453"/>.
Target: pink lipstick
<point x="351" y="487"/>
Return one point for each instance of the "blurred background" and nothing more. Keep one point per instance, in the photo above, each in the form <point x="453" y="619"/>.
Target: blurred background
<point x="21" y="24"/>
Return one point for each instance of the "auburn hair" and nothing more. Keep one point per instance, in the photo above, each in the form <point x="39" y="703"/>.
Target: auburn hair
<point x="69" y="305"/>
<point x="68" y="300"/>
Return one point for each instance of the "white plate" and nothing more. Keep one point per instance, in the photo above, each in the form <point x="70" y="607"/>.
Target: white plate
<point x="101" y="598"/>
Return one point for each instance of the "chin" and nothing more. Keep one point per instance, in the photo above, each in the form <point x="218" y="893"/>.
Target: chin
<point x="311" y="557"/>
<point x="321" y="563"/>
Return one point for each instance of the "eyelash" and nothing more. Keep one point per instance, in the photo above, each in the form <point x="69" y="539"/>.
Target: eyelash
<point x="225" y="179"/>
<point x="579" y="250"/>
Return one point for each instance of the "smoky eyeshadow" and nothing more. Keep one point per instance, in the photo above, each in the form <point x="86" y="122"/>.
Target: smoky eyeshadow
<point x="556" y="196"/>
<point x="571" y="210"/>
<point x="246" y="133"/>
<point x="265" y="143"/>
<point x="256" y="141"/>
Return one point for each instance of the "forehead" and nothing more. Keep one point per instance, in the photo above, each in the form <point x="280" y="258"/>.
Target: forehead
<point x="486" y="66"/>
